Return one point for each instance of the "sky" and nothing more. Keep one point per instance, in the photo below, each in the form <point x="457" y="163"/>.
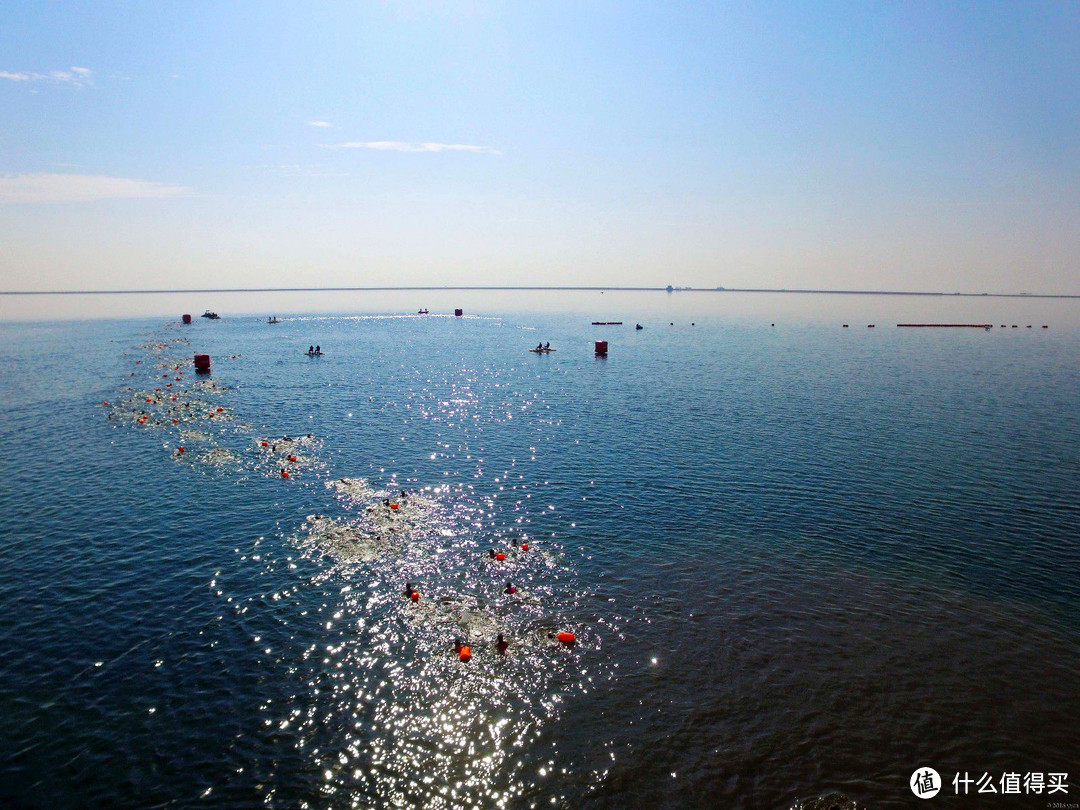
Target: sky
<point x="865" y="145"/>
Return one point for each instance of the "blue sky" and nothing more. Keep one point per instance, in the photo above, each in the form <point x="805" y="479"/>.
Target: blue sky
<point x="901" y="146"/>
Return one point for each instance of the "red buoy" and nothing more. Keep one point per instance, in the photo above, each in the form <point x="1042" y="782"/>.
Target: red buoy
<point x="566" y="638"/>
<point x="284" y="473"/>
<point x="292" y="458"/>
<point x="414" y="596"/>
<point x="393" y="506"/>
<point x="186" y="319"/>
<point x="465" y="653"/>
<point x="179" y="449"/>
<point x="458" y="313"/>
<point x="266" y="444"/>
<point x="202" y="362"/>
<point x="524" y="546"/>
<point x="601" y="347"/>
<point x="500" y="556"/>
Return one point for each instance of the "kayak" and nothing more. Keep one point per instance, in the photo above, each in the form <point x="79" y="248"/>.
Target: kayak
<point x="541" y="351"/>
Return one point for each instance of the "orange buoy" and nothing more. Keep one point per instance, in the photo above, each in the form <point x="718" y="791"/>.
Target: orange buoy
<point x="175" y="421"/>
<point x="415" y="596"/>
<point x="500" y="556"/>
<point x="566" y="638"/>
<point x="465" y="653"/>
<point x="524" y="546"/>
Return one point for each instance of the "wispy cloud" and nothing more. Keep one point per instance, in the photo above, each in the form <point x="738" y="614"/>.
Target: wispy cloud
<point x="405" y="146"/>
<point x="40" y="188"/>
<point x="76" y="76"/>
<point x="319" y="124"/>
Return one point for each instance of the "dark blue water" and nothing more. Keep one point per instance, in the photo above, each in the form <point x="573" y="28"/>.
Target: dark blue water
<point x="796" y="559"/>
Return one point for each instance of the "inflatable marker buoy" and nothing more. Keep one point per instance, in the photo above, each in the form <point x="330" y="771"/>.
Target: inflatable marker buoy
<point x="180" y="449"/>
<point x="500" y="556"/>
<point x="393" y="506"/>
<point x="266" y="444"/>
<point x="465" y="653"/>
<point x="414" y="596"/>
<point x="524" y="546"/>
<point x="292" y="458"/>
<point x="220" y="410"/>
<point x="284" y="473"/>
<point x="566" y="638"/>
<point x="176" y="421"/>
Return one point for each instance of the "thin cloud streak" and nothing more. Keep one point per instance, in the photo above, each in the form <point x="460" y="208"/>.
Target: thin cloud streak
<point x="319" y="124"/>
<point x="405" y="146"/>
<point x="44" y="188"/>
<point x="76" y="76"/>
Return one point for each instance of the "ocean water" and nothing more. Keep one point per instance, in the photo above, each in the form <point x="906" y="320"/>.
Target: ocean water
<point x="797" y="558"/>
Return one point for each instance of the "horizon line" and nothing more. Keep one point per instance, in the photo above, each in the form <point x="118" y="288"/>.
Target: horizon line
<point x="539" y="288"/>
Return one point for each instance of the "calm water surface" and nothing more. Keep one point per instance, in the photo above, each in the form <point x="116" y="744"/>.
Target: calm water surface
<point x="797" y="558"/>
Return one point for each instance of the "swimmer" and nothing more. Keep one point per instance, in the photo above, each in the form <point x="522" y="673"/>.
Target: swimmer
<point x="491" y="553"/>
<point x="510" y="588"/>
<point x="409" y="589"/>
<point x="501" y="644"/>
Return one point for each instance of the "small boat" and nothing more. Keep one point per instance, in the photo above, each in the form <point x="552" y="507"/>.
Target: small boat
<point x="639" y="326"/>
<point x="607" y="323"/>
<point x="541" y="351"/>
<point x="314" y="354"/>
<point x="211" y="315"/>
<point x="421" y="312"/>
<point x="272" y="320"/>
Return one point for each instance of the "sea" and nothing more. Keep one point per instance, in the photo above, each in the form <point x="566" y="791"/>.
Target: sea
<point x="799" y="549"/>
